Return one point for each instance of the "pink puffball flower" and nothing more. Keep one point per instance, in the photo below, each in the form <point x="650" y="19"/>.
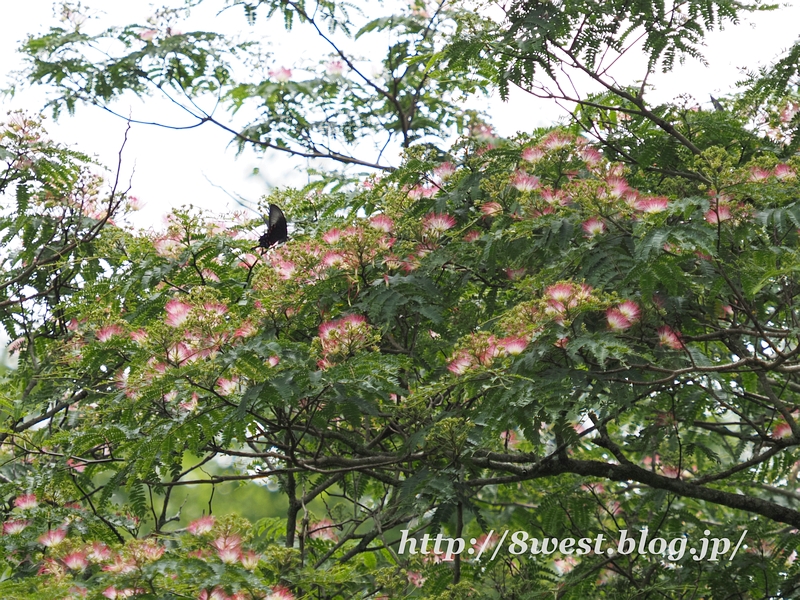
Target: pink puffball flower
<point x="382" y="223"/>
<point x="279" y="593"/>
<point x="191" y="404"/>
<point x="26" y="501"/>
<point x="532" y="154"/>
<point x="332" y="236"/>
<point x="106" y="333"/>
<point x="281" y="75"/>
<point x="554" y="197"/>
<point x="250" y="559"/>
<point x="147" y="35"/>
<point x="229" y="554"/>
<point x="513" y="345"/>
<point x="784" y="171"/>
<point x="335" y="68"/>
<point x="285" y="269"/>
<point x="177" y="312"/>
<point x="215" y="308"/>
<point x="511" y="441"/>
<point x="436" y="223"/>
<point x="524" y="182"/>
<point x="121" y="566"/>
<point x="227" y="386"/>
<point x="461" y="364"/>
<point x="274" y="360"/>
<point x="134" y="204"/>
<point x="210" y="275"/>
<point x="180" y="353"/>
<point x="789" y="112"/>
<point x="228" y="549"/>
<point x="591" y="156"/>
<point x="515" y="274"/>
<point x="616" y="320"/>
<point x="323" y="529"/>
<point x="669" y="338"/>
<point x="651" y="204"/>
<point x="76" y="561"/>
<point x="332" y="259"/>
<point x="555" y="141"/>
<point x="15" y="527"/>
<point x="216" y="594"/>
<point x="630" y="310"/>
<point x="617" y="186"/>
<point x="482" y="132"/>
<point x="139" y="336"/>
<point x="782" y="430"/>
<point x="52" y="537"/>
<point x="492" y="209"/>
<point x="416" y="579"/>
<point x="16" y="345"/>
<point x="444" y="171"/>
<point x="99" y="552"/>
<point x="245" y="330"/>
<point x="227" y="541"/>
<point x="560" y="292"/>
<point x="152" y="550"/>
<point x="593" y="227"/>
<point x="719" y="214"/>
<point x="472" y="236"/>
<point x="248" y="261"/>
<point x="759" y="174"/>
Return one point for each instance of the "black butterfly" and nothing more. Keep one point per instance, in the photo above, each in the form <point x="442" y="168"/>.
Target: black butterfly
<point x="277" y="231"/>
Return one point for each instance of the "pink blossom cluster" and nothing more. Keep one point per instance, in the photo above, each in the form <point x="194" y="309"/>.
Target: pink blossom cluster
<point x="482" y="350"/>
<point x="421" y="191"/>
<point x="781" y="171"/>
<point x="789" y="112"/>
<point x="656" y="463"/>
<point x="228" y="546"/>
<point x="435" y="224"/>
<point x="444" y="171"/>
<point x="324" y="529"/>
<point x="218" y="593"/>
<point x="206" y="330"/>
<point x="354" y="247"/>
<point x="491" y="209"/>
<point x="524" y="182"/>
<point x="343" y="337"/>
<point x="556" y="141"/>
<point x="623" y="315"/>
<point x="782" y="429"/>
<point x="563" y="296"/>
<point x="281" y="75"/>
<point x="669" y="338"/>
<point x="594" y="226"/>
<point x="112" y="593"/>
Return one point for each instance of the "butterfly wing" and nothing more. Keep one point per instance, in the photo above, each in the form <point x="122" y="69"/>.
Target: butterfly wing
<point x="277" y="231"/>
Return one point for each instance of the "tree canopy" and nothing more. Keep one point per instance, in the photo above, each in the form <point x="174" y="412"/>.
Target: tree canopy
<point x="577" y="332"/>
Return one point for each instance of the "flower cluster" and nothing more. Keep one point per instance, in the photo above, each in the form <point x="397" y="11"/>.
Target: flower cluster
<point x="482" y="350"/>
<point x="623" y="315"/>
<point x="563" y="297"/>
<point x="342" y="338"/>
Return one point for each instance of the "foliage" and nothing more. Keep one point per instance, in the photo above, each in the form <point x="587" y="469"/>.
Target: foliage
<point x="546" y="336"/>
<point x="526" y="342"/>
<point x="317" y="111"/>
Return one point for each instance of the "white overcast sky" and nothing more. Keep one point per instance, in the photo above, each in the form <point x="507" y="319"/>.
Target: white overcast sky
<point x="171" y="167"/>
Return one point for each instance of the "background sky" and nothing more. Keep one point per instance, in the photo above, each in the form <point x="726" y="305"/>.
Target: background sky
<point x="172" y="168"/>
